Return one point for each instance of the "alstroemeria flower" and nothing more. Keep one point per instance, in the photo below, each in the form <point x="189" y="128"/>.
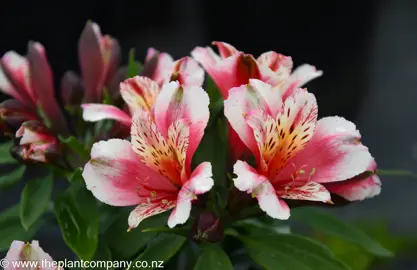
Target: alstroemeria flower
<point x="140" y="92"/>
<point x="162" y="68"/>
<point x="297" y="157"/>
<point x="30" y="81"/>
<point x="31" y="254"/>
<point x="153" y="171"/>
<point x="36" y="143"/>
<point x="234" y="68"/>
<point x="99" y="58"/>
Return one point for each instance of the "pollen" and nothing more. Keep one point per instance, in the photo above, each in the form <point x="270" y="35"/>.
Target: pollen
<point x="153" y="193"/>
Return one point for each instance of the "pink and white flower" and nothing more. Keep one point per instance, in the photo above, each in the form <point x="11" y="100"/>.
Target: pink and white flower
<point x="153" y="171"/>
<point x="32" y="255"/>
<point x="297" y="157"/>
<point x="30" y="81"/>
<point x="140" y="92"/>
<point x="233" y="68"/>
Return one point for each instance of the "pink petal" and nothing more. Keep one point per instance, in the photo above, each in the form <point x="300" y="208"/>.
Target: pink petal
<point x="42" y="85"/>
<point x="232" y="71"/>
<point x="186" y="102"/>
<point x="154" y="150"/>
<point x="334" y="153"/>
<point x="300" y="76"/>
<point x="188" y="72"/>
<point x="16" y="69"/>
<point x="35" y="253"/>
<point x="242" y="100"/>
<point x="250" y="181"/>
<point x="14" y="254"/>
<point x="311" y="191"/>
<point x="7" y="88"/>
<point x="116" y="176"/>
<point x="162" y="64"/>
<point x="269" y="95"/>
<point x="278" y="63"/>
<point x="91" y="61"/>
<point x="110" y="50"/>
<point x="146" y="210"/>
<point x="200" y="182"/>
<point x="225" y="49"/>
<point x="97" y="112"/>
<point x="139" y="92"/>
<point x="363" y="186"/>
<point x="296" y="123"/>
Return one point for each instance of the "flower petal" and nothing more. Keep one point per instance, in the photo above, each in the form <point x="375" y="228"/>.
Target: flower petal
<point x="116" y="176"/>
<point x="200" y="182"/>
<point x="97" y="112"/>
<point x="360" y="187"/>
<point x="296" y="123"/>
<point x="300" y="76"/>
<point x="7" y="88"/>
<point x="146" y="210"/>
<point x="16" y="70"/>
<point x="110" y="50"/>
<point x="185" y="102"/>
<point x="310" y="191"/>
<point x="91" y="61"/>
<point x="139" y="92"/>
<point x="14" y="253"/>
<point x="153" y="149"/>
<point x="242" y="100"/>
<point x="158" y="66"/>
<point x="43" y="86"/>
<point x="334" y="153"/>
<point x="250" y="181"/>
<point x="278" y="63"/>
<point x="225" y="49"/>
<point x="188" y="72"/>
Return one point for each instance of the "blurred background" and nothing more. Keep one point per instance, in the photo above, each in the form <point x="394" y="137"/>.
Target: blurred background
<point x="367" y="50"/>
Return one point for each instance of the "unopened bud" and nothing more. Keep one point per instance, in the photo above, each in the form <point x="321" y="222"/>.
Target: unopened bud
<point x="13" y="114"/>
<point x="207" y="228"/>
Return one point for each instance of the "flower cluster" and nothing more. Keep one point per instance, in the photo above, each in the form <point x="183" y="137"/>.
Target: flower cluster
<point x="279" y="151"/>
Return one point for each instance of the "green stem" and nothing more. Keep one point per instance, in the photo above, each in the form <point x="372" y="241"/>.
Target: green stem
<point x="396" y="173"/>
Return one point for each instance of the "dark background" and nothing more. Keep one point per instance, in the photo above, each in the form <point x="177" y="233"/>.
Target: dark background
<point x="367" y="50"/>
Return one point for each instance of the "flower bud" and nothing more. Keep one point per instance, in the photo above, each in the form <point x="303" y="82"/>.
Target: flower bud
<point x="207" y="228"/>
<point x="71" y="88"/>
<point x="13" y="113"/>
<point x="36" y="144"/>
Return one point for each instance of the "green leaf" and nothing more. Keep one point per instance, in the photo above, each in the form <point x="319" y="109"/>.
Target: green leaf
<point x="5" y="155"/>
<point x="288" y="251"/>
<point x="213" y="257"/>
<point x="12" y="178"/>
<point x="11" y="228"/>
<point x="77" y="214"/>
<point x="34" y="200"/>
<point x="76" y="145"/>
<point x="162" y="248"/>
<point x="123" y="244"/>
<point x="134" y="67"/>
<point x="329" y="224"/>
